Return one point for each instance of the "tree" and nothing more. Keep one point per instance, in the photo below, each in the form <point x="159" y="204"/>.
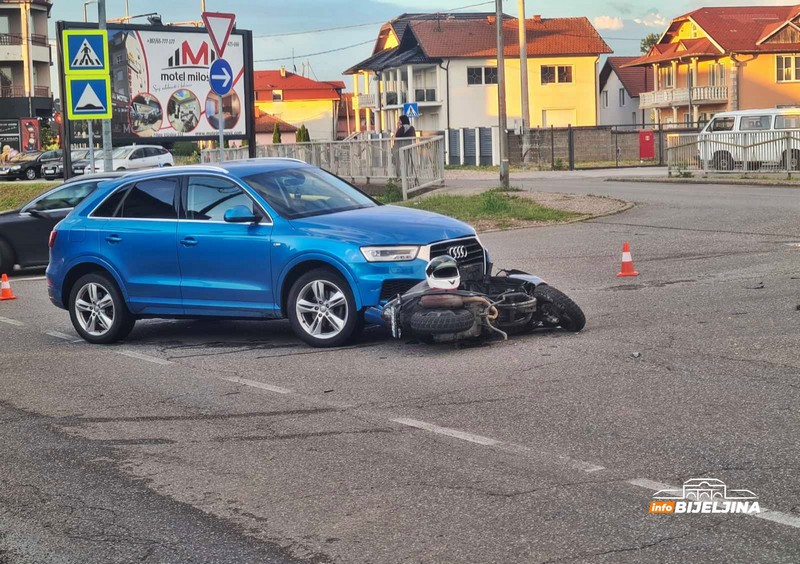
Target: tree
<point x="649" y="40"/>
<point x="302" y="135"/>
<point x="276" y="134"/>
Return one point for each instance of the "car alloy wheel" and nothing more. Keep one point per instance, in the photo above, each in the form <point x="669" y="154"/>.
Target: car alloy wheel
<point x="94" y="308"/>
<point x="322" y="309"/>
<point x="30" y="174"/>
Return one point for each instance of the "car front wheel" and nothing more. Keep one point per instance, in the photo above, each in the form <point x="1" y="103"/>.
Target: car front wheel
<point x="30" y="174"/>
<point x="322" y="310"/>
<point x="98" y="311"/>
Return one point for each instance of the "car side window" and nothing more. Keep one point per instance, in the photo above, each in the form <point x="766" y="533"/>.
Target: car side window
<point x="63" y="198"/>
<point x="151" y="152"/>
<point x="111" y="204"/>
<point x="755" y="123"/>
<point x="722" y="124"/>
<point x="137" y="154"/>
<point x="150" y="199"/>
<point x="208" y="198"/>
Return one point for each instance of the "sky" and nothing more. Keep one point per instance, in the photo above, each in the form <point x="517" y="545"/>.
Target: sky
<point x="323" y="55"/>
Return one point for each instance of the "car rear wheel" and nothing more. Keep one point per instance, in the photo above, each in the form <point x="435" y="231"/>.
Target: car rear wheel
<point x="322" y="309"/>
<point x="98" y="311"/>
<point x="30" y="174"/>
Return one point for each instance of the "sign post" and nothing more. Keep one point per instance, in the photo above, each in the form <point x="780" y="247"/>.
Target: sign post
<point x="219" y="26"/>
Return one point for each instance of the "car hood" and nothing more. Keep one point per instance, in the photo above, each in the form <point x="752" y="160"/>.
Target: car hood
<point x="8" y="214"/>
<point x="385" y="225"/>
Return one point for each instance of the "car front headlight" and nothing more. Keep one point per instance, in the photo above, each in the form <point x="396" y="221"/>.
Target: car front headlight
<point x="399" y="253"/>
<point x="16" y="167"/>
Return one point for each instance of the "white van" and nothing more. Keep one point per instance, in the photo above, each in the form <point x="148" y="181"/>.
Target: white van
<point x="752" y="140"/>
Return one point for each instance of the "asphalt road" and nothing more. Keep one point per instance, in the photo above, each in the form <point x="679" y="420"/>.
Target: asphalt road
<point x="209" y="441"/>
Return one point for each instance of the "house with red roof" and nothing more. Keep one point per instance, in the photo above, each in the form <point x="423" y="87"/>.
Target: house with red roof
<point x="298" y="100"/>
<point x="724" y="58"/>
<point x="447" y="64"/>
<point x="619" y="90"/>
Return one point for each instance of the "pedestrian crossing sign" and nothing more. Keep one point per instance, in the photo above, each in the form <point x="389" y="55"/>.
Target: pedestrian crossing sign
<point x="85" y="51"/>
<point x="88" y="97"/>
<point x="411" y="110"/>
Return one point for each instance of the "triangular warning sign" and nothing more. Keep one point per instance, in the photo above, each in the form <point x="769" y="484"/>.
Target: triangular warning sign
<point x="219" y="26"/>
<point x="89" y="101"/>
<point x="86" y="57"/>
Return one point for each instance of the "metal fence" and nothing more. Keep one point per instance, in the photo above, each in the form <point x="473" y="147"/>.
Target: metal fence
<point x="725" y="152"/>
<point x="418" y="165"/>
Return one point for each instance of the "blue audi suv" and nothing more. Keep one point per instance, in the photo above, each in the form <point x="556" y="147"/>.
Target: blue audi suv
<point x="257" y="239"/>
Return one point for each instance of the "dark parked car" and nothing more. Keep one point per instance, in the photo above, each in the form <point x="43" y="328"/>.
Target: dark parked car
<point x="29" y="165"/>
<point x="24" y="232"/>
<point x="55" y="169"/>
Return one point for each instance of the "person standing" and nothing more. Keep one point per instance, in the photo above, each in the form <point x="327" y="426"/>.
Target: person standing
<point x="402" y="138"/>
<point x="404" y="128"/>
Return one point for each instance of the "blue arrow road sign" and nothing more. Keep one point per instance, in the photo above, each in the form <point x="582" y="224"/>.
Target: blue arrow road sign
<point x="221" y="77"/>
<point x="411" y="110"/>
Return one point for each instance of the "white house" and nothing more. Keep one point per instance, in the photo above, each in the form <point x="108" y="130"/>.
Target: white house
<point x="619" y="93"/>
<point x="447" y="64"/>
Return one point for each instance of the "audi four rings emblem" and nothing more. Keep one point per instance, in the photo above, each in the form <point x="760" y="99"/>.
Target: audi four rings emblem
<point x="458" y="252"/>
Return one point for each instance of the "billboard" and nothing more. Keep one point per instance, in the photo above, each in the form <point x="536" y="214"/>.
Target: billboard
<point x="29" y="127"/>
<point x="10" y="133"/>
<point x="160" y="88"/>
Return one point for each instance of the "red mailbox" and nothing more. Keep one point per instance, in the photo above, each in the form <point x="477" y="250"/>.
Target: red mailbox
<point x="647" y="145"/>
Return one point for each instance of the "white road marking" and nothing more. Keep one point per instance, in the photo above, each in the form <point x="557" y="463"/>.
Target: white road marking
<point x="13" y="322"/>
<point x="766" y="514"/>
<point x="259" y="385"/>
<point x="140" y="356"/>
<point x="573" y="463"/>
<point x="448" y="432"/>
<point x="59" y="335"/>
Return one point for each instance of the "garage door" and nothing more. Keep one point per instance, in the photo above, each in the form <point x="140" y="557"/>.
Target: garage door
<point x="558" y="118"/>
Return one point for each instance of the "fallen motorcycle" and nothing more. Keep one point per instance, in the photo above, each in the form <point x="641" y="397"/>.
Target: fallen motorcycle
<point x="445" y="309"/>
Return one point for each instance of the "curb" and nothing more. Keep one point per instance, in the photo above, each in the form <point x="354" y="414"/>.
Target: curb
<point x="626" y="207"/>
<point x="713" y="181"/>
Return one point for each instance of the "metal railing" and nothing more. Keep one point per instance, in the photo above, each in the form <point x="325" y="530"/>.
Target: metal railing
<point x="41" y="91"/>
<point x="11" y="91"/>
<point x="419" y="164"/>
<point x="39" y="39"/>
<point x="10" y="39"/>
<point x="762" y="151"/>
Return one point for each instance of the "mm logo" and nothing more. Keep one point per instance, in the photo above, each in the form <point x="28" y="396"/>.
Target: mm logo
<point x="186" y="57"/>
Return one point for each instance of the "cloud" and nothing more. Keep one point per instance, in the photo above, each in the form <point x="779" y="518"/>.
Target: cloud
<point x="653" y="18"/>
<point x="625" y="8"/>
<point x="608" y="22"/>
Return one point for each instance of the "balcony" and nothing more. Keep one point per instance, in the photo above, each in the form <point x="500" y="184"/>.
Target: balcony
<point x="10" y="39"/>
<point x="680" y="97"/>
<point x="41" y="91"/>
<point x="38" y="39"/>
<point x="12" y="92"/>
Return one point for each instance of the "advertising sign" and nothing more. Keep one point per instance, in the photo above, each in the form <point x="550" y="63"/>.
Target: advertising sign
<point x="9" y="133"/>
<point x="30" y="134"/>
<point x="160" y="84"/>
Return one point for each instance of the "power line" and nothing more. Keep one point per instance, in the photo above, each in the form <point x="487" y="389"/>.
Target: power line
<point x="314" y="54"/>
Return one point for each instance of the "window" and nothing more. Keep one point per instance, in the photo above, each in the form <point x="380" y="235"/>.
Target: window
<point x="66" y="197"/>
<point x="604" y="98"/>
<point x="788" y="68"/>
<point x="669" y="77"/>
<point x="6" y="75"/>
<point x="621" y="97"/>
<point x="277" y="95"/>
<point x="754" y="123"/>
<point x="474" y="75"/>
<point x="787" y="122"/>
<point x="109" y="207"/>
<point x="490" y="75"/>
<point x="716" y="75"/>
<point x="722" y="124"/>
<point x="150" y="199"/>
<point x="208" y="198"/>
<point x="634" y="118"/>
<point x="552" y="74"/>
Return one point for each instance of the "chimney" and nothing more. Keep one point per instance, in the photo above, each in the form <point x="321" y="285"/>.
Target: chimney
<point x="537" y="18"/>
<point x="283" y="72"/>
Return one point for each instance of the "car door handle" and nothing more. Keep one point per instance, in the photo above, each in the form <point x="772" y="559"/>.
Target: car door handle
<point x="114" y="239"/>
<point x="189" y="242"/>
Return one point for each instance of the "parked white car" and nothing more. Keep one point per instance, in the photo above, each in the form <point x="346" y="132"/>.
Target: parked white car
<point x="751" y="140"/>
<point x="134" y="157"/>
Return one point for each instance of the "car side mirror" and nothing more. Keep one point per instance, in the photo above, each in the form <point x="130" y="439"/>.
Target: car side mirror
<point x="38" y="214"/>
<point x="240" y="214"/>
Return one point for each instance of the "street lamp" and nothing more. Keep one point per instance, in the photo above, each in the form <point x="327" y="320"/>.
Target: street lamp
<point x="85" y="17"/>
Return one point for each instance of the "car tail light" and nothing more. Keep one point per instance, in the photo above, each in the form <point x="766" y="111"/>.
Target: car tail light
<point x="52" y="242"/>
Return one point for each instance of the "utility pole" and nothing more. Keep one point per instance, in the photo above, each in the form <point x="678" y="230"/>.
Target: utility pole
<point x="501" y="95"/>
<point x="107" y="162"/>
<point x="523" y="77"/>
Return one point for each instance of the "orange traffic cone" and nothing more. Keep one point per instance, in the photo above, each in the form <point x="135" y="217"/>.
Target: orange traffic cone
<point x="627" y="262"/>
<point x="5" y="290"/>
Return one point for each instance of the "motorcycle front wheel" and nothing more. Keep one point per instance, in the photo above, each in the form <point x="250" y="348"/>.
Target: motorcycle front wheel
<point x="556" y="309"/>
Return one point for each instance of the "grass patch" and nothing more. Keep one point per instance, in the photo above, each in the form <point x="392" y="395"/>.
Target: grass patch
<point x="14" y="194"/>
<point x="494" y="209"/>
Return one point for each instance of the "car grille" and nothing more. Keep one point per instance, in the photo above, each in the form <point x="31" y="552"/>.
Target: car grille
<point x="471" y="258"/>
<point x="391" y="288"/>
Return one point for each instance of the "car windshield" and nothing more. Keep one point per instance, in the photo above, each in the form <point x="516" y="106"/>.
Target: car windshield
<point x="80" y="154"/>
<point x="121" y="153"/>
<point x="305" y="192"/>
<point x="25" y="157"/>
